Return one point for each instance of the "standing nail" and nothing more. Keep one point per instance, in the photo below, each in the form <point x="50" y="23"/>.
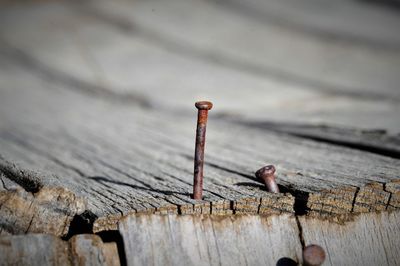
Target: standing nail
<point x="267" y="175"/>
<point x="203" y="108"/>
<point x="313" y="255"/>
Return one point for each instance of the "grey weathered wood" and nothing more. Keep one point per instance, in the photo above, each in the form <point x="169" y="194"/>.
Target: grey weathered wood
<point x="33" y="250"/>
<point x="261" y="48"/>
<point x="41" y="249"/>
<point x="371" y="239"/>
<point x="98" y="99"/>
<point x="209" y="240"/>
<point x="28" y="209"/>
<point x="125" y="158"/>
<point x="369" y="24"/>
<point x="89" y="250"/>
<point x="153" y="61"/>
<point x="377" y="141"/>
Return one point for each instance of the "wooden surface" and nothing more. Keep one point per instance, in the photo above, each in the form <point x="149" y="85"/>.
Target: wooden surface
<point x="97" y="116"/>
<point x="41" y="249"/>
<point x="157" y="53"/>
<point x="371" y="239"/>
<point x="209" y="240"/>
<point x="142" y="161"/>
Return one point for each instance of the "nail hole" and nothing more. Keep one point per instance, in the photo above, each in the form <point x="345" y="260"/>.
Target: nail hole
<point x="286" y="262"/>
<point x="192" y="197"/>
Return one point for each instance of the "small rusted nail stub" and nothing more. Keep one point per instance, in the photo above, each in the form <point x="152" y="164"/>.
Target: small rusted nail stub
<point x="267" y="174"/>
<point x="313" y="255"/>
<point x="203" y="108"/>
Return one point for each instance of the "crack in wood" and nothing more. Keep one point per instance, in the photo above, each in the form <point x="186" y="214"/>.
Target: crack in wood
<point x="50" y="210"/>
<point x="354" y="199"/>
<point x="28" y="180"/>
<point x="114" y="236"/>
<point x="301" y="237"/>
<point x="374" y="141"/>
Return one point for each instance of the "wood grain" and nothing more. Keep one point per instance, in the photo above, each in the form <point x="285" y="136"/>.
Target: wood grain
<point x="268" y="48"/>
<point x="126" y="159"/>
<point x="153" y="61"/>
<point x="41" y="249"/>
<point x="209" y="240"/>
<point x="97" y="132"/>
<point x="371" y="239"/>
<point x="376" y="141"/>
<point x="46" y="210"/>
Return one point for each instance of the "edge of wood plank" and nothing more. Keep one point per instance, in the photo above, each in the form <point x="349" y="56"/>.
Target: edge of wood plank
<point x="337" y="205"/>
<point x="52" y="209"/>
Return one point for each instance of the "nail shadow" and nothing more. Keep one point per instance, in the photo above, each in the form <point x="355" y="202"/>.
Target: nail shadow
<point x="249" y="184"/>
<point x="102" y="179"/>
<point x="282" y="189"/>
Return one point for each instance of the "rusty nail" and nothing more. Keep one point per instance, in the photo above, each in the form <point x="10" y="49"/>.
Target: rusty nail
<point x="267" y="175"/>
<point x="313" y="255"/>
<point x="203" y="108"/>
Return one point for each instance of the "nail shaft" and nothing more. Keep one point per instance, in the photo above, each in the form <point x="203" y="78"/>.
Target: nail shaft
<point x="271" y="185"/>
<point x="203" y="108"/>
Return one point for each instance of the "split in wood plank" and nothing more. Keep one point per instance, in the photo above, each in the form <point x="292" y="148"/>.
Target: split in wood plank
<point x="373" y="140"/>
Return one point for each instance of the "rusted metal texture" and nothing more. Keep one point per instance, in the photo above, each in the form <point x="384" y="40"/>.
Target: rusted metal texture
<point x="313" y="255"/>
<point x="267" y="174"/>
<point x="203" y="108"/>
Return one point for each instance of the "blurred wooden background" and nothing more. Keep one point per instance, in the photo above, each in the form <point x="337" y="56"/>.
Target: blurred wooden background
<point x="97" y="111"/>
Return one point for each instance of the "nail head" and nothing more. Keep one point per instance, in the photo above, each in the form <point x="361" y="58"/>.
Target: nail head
<point x="204" y="105"/>
<point x="313" y="255"/>
<point x="265" y="171"/>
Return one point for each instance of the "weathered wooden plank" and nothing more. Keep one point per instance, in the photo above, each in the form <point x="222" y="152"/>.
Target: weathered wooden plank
<point x="366" y="23"/>
<point x="60" y="42"/>
<point x="377" y="141"/>
<point x="41" y="249"/>
<point x="371" y="239"/>
<point x="125" y="159"/>
<point x="267" y="49"/>
<point x="33" y="250"/>
<point x="90" y="250"/>
<point x="46" y="209"/>
<point x="209" y="240"/>
<point x="113" y="122"/>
